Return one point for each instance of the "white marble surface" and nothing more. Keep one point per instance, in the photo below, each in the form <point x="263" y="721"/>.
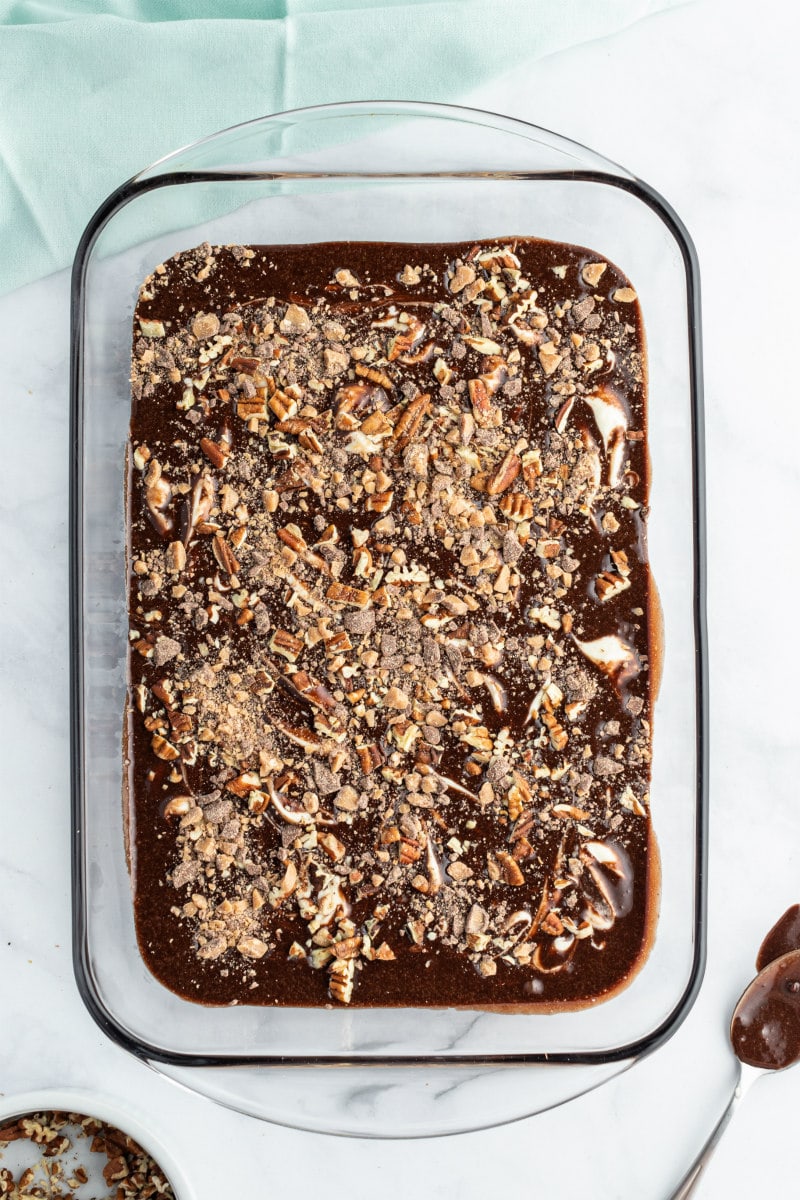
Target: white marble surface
<point x="703" y="103"/>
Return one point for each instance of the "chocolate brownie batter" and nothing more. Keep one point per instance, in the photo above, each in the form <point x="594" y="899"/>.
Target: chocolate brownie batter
<point x="393" y="638"/>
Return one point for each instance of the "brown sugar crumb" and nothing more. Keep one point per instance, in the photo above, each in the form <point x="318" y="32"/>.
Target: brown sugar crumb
<point x="390" y="713"/>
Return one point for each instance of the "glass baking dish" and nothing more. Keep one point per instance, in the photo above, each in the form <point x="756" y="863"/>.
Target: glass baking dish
<point x="391" y="172"/>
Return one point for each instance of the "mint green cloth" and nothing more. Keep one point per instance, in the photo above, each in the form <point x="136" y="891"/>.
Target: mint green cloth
<point x="91" y="92"/>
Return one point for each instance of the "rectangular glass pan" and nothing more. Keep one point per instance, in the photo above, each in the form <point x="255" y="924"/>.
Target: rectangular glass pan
<point x="386" y="172"/>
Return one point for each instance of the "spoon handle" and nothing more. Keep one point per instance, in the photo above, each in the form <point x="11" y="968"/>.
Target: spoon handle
<point x="690" y="1180"/>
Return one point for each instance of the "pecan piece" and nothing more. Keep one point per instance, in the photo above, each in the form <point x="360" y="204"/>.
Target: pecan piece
<point x="287" y="644"/>
<point x="300" y="736"/>
<point x="244" y="784"/>
<point x="620" y="560"/>
<point x="412" y="331"/>
<point x="224" y="555"/>
<point x="482" y="408"/>
<point x="378" y="377"/>
<point x="341" y="976"/>
<point x="313" y="691"/>
<point x="348" y="947"/>
<point x="354" y="597"/>
<point x="420" y="355"/>
<point x="246" y="364"/>
<point x="410" y="420"/>
<point x="176" y="557"/>
<point x="410" y="850"/>
<point x="516" y="507"/>
<point x="607" y="585"/>
<point x="162" y="691"/>
<point x="519" y="794"/>
<point x="339" y="643"/>
<point x="379" y="502"/>
<point x="349" y="401"/>
<point x="509" y="869"/>
<point x="370" y="757"/>
<point x="460" y="278"/>
<point x="296" y="477"/>
<point x="558" y="735"/>
<point x="164" y="749"/>
<point x="376" y="424"/>
<point x="180" y="722"/>
<point x="215" y="452"/>
<point x="254" y="406"/>
<point x="293" y="538"/>
<point x="296" y="425"/>
<point x="282" y="405"/>
<point x="502" y="478"/>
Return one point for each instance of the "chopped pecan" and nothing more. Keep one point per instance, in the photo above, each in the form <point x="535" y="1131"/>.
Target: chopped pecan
<point x="340" y="980"/>
<point x="410" y="420"/>
<point x="247" y="364"/>
<point x="370" y="756"/>
<point x="313" y="691"/>
<point x="509" y="869"/>
<point x="224" y="555"/>
<point x="286" y="644"/>
<point x="216" y="452"/>
<point x="378" y="377"/>
<point x="502" y="478"/>
<point x="483" y="410"/>
<point x="516" y="506"/>
<point x="253" y="407"/>
<point x="379" y="502"/>
<point x="354" y="597"/>
<point x="608" y="585"/>
<point x="298" y="476"/>
<point x="293" y="538"/>
<point x="164" y="749"/>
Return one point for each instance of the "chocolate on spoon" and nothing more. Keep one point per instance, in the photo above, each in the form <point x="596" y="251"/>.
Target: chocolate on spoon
<point x="765" y="1029"/>
<point x="781" y="939"/>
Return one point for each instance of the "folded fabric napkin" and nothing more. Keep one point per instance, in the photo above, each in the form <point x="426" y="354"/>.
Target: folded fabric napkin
<point x="92" y="91"/>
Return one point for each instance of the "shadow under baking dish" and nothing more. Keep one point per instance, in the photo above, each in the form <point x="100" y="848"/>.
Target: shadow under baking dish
<point x="383" y="172"/>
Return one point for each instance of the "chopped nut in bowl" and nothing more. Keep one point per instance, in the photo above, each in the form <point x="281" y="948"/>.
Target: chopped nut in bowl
<point x="378" y="604"/>
<point x="70" y="1143"/>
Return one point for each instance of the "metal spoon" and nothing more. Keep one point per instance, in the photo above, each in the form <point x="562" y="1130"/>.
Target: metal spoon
<point x="765" y="1036"/>
<point x="745" y="1078"/>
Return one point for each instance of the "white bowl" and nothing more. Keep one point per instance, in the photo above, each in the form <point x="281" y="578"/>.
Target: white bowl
<point x="93" y="1104"/>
